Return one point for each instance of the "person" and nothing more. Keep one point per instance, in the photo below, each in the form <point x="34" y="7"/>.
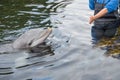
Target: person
<point x="105" y="19"/>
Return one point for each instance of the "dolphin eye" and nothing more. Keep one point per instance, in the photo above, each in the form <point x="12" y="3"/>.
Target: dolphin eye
<point x="30" y="43"/>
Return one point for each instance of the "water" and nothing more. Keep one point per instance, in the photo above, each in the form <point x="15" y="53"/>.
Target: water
<point x="70" y="55"/>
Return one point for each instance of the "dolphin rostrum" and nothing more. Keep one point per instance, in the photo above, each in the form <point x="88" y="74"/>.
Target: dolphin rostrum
<point x="32" y="38"/>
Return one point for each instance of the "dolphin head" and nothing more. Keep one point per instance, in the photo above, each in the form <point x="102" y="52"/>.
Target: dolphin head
<point x="43" y="36"/>
<point x="32" y="38"/>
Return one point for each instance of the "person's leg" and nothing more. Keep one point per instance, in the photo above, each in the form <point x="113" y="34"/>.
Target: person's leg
<point x="111" y="29"/>
<point x="96" y="34"/>
<point x="109" y="33"/>
<point x="118" y="22"/>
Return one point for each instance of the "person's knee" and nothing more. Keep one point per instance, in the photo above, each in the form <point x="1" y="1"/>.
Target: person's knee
<point x="97" y="33"/>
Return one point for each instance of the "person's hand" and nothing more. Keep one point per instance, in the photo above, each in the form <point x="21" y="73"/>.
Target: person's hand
<point x="92" y="18"/>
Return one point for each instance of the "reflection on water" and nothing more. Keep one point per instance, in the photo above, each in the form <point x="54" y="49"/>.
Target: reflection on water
<point x="68" y="53"/>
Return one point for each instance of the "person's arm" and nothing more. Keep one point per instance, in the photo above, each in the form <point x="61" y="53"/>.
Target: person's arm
<point x="109" y="7"/>
<point x="98" y="15"/>
<point x="112" y="5"/>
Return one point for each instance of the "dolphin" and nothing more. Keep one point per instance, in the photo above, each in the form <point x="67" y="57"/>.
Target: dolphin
<point x="29" y="40"/>
<point x="32" y="38"/>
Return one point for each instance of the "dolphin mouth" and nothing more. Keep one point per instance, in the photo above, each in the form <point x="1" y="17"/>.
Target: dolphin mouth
<point x="41" y="38"/>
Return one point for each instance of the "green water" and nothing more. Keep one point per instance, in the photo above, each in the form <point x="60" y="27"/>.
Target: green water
<point x="18" y="15"/>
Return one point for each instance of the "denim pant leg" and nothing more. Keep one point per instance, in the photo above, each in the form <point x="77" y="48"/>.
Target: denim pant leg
<point x="111" y="29"/>
<point x="118" y="22"/>
<point x="96" y="33"/>
<point x="109" y="33"/>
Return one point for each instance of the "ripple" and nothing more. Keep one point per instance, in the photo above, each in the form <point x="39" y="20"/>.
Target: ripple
<point x="70" y="55"/>
<point x="31" y="12"/>
<point x="35" y="5"/>
<point x="6" y="71"/>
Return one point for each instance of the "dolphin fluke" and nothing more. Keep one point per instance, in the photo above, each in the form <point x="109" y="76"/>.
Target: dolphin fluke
<point x="32" y="38"/>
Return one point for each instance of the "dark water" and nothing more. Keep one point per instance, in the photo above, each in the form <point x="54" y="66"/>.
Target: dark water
<point x="70" y="55"/>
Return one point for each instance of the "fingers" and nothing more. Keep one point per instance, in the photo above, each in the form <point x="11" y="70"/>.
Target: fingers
<point x="91" y="19"/>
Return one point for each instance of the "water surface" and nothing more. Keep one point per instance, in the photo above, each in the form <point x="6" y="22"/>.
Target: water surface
<point x="70" y="55"/>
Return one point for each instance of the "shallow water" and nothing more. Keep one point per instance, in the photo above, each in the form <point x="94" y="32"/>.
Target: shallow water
<point x="69" y="56"/>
